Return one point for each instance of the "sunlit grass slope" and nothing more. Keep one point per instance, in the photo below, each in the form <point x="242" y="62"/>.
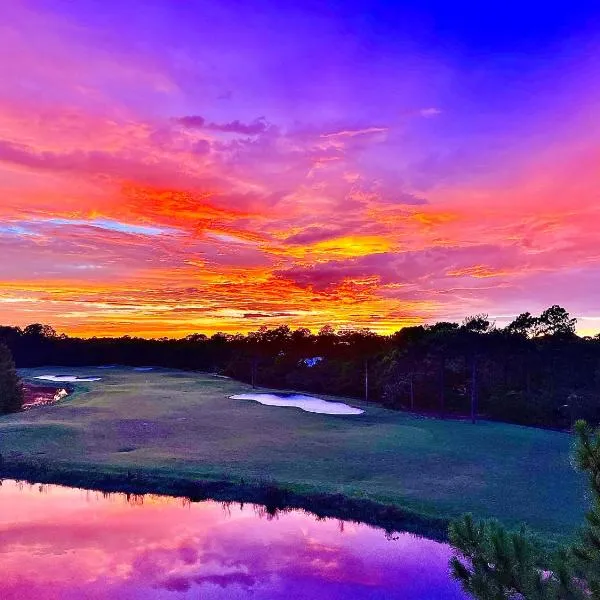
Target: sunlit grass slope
<point x="185" y="423"/>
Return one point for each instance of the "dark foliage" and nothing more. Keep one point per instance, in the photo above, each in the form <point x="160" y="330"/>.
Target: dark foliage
<point x="535" y="371"/>
<point x="495" y="564"/>
<point x="11" y="390"/>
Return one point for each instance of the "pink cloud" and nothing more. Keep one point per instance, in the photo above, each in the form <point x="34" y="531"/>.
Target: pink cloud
<point x="334" y="198"/>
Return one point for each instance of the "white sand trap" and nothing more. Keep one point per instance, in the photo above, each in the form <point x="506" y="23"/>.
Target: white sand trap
<point x="307" y="403"/>
<point x="66" y="378"/>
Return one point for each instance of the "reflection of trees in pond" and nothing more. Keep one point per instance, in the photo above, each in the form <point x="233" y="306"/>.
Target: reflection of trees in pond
<point x="266" y="499"/>
<point x="154" y="550"/>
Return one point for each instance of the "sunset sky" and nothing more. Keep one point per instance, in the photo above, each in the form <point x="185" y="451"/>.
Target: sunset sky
<point x="169" y="167"/>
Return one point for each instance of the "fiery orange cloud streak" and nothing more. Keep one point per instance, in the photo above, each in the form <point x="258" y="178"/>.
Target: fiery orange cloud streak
<point x="137" y="196"/>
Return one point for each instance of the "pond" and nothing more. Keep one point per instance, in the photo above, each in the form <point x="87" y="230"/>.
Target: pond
<point x="39" y="395"/>
<point x="63" y="543"/>
<point x="306" y="403"/>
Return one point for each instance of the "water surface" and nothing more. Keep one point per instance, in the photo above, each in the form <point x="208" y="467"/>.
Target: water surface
<point x="59" y="543"/>
<point x="36" y="395"/>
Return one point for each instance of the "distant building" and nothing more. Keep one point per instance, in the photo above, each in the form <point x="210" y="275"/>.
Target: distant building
<point x="60" y="394"/>
<point x="311" y="362"/>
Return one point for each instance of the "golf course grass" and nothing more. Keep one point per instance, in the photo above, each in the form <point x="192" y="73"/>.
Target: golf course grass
<point x="166" y="429"/>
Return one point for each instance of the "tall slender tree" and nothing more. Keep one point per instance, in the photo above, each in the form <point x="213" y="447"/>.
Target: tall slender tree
<point x="442" y="337"/>
<point x="473" y="332"/>
<point x="11" y="390"/>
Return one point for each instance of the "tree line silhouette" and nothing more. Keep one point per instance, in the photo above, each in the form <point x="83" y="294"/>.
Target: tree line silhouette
<point x="534" y="371"/>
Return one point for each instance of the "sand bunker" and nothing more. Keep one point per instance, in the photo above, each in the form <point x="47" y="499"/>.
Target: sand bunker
<point x="307" y="403"/>
<point x="143" y="368"/>
<point x="66" y="378"/>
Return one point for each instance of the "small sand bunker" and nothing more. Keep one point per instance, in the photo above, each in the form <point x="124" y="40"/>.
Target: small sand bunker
<point x="306" y="403"/>
<point x="66" y="378"/>
<point x="143" y="369"/>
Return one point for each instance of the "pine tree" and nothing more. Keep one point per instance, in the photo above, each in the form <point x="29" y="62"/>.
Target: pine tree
<point x="11" y="390"/>
<point x="587" y="551"/>
<point x="495" y="564"/>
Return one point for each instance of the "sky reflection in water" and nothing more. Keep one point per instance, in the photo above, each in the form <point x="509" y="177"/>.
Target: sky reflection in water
<point x="60" y="543"/>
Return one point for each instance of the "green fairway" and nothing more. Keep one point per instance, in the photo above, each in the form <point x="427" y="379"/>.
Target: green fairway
<point x="185" y="423"/>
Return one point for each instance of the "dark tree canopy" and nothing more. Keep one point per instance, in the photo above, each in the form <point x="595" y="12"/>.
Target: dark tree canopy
<point x="523" y="325"/>
<point x="556" y="321"/>
<point x="477" y="323"/>
<point x="535" y="371"/>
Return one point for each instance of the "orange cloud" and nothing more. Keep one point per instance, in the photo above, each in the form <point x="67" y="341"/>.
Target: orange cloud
<point x="118" y="214"/>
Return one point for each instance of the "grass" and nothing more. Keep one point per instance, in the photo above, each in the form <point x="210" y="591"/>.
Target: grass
<point x="165" y="430"/>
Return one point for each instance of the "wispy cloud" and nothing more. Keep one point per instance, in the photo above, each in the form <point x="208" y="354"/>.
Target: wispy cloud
<point x="15" y="230"/>
<point x="112" y="225"/>
<point x="354" y="132"/>
<point x="255" y="127"/>
<point x="430" y="112"/>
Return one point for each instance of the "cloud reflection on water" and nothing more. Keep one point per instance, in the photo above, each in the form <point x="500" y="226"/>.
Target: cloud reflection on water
<point x="67" y="544"/>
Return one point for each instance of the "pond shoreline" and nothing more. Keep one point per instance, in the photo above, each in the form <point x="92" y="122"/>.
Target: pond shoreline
<point x="179" y="433"/>
<point x="40" y="394"/>
<point x="275" y="497"/>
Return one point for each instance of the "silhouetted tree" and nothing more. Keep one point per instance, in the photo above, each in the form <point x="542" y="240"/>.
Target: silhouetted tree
<point x="556" y="321"/>
<point x="535" y="371"/>
<point x="442" y="337"/>
<point x="523" y="325"/>
<point x="472" y="333"/>
<point x="39" y="330"/>
<point x="11" y="390"/>
<point x="405" y="363"/>
<point x="365" y="344"/>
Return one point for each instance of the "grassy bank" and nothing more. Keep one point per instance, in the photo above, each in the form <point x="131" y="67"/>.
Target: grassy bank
<point x="179" y="433"/>
<point x="273" y="497"/>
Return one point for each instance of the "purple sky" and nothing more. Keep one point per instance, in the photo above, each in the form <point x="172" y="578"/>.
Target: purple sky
<point x="196" y="166"/>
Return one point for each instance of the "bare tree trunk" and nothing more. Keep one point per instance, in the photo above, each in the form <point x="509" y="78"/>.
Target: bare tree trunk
<point x="474" y="390"/>
<point x="254" y="373"/>
<point x="442" y="388"/>
<point x="527" y="378"/>
<point x="552" y="377"/>
<point x="366" y="380"/>
<point x="412" y="392"/>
